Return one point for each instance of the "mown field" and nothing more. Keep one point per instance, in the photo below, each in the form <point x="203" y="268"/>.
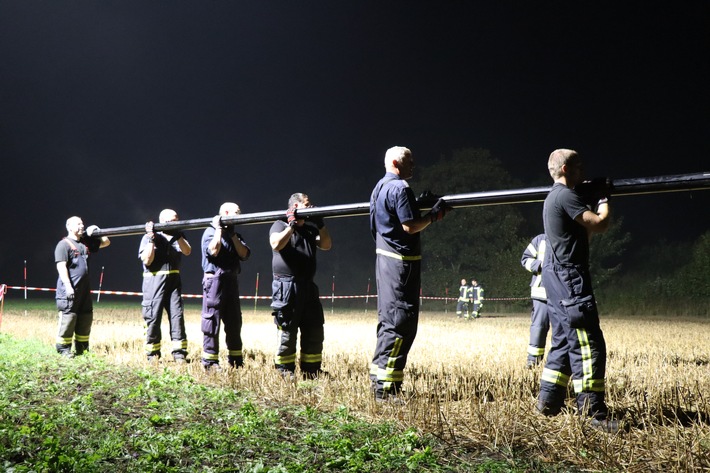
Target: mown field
<point x="474" y="397"/>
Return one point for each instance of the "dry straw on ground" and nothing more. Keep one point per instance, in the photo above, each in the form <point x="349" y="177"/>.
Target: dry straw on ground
<point x="470" y="382"/>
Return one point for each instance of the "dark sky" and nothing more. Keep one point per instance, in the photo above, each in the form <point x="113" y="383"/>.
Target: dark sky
<point x="114" y="110"/>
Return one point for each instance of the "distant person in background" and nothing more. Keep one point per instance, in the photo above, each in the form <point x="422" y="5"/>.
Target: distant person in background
<point x="223" y="250"/>
<point x="532" y="260"/>
<point x="463" y="304"/>
<point x="396" y="223"/>
<point x="476" y="297"/>
<point x="578" y="348"/>
<point x="73" y="296"/>
<point x="295" y="298"/>
<point x="161" y="253"/>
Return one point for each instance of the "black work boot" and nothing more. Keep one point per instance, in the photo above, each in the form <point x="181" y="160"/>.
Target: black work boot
<point x="81" y="347"/>
<point x="64" y="350"/>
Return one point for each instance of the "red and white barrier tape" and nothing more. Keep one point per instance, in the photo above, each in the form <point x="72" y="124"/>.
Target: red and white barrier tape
<point x="199" y="296"/>
<point x="3" y="290"/>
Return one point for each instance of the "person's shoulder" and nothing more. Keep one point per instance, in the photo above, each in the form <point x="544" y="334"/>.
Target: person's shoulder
<point x="277" y="226"/>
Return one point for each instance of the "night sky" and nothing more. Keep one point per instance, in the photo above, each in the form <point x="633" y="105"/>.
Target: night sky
<point x="114" y="110"/>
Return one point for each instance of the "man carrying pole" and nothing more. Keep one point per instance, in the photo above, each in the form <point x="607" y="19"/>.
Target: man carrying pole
<point x="295" y="297"/>
<point x="76" y="311"/>
<point x="161" y="254"/>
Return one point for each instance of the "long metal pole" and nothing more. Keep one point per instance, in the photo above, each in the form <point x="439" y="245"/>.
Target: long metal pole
<point x="634" y="186"/>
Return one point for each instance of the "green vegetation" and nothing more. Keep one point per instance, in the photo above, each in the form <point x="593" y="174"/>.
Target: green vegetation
<point x="85" y="415"/>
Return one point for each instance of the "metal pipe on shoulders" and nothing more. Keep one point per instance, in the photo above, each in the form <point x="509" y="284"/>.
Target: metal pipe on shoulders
<point x="617" y="187"/>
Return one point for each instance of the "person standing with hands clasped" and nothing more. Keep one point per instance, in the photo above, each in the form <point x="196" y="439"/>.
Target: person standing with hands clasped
<point x="395" y="224"/>
<point x="73" y="296"/>
<point x="578" y="348"/>
<point x="295" y="298"/>
<point x="223" y="250"/>
<point x="161" y="254"/>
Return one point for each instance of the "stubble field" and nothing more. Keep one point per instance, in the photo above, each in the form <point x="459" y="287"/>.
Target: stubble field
<point x="471" y="387"/>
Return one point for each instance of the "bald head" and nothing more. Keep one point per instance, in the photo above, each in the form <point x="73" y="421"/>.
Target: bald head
<point x="167" y="215"/>
<point x="229" y="208"/>
<point x="75" y="227"/>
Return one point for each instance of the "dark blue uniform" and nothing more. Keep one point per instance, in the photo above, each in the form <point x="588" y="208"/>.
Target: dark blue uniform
<point x="220" y="300"/>
<point x="398" y="270"/>
<point x="578" y="348"/>
<point x="296" y="301"/>
<point x="533" y="260"/>
<point x="162" y="289"/>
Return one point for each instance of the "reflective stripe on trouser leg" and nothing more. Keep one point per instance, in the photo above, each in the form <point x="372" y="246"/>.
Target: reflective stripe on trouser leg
<point x="555" y="377"/>
<point x="398" y="285"/>
<point x="176" y="314"/>
<point x="151" y="348"/>
<point x="536" y="351"/>
<point x="285" y="358"/>
<point x="152" y="311"/>
<point x="588" y="382"/>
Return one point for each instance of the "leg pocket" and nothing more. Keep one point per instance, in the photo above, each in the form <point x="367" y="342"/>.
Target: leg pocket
<point x="581" y="311"/>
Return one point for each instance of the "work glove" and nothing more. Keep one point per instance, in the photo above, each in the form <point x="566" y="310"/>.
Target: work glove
<point x="91" y="230"/>
<point x="438" y="210"/>
<point x="228" y="230"/>
<point x="175" y="236"/>
<point x="70" y="293"/>
<point x="426" y="199"/>
<point x="594" y="190"/>
<point x="149" y="227"/>
<point x="216" y="222"/>
<point x="291" y="216"/>
<point x="317" y="221"/>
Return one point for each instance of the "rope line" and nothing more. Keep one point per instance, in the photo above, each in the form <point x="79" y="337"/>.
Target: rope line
<point x="199" y="296"/>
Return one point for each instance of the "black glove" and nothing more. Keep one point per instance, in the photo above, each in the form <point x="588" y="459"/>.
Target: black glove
<point x="228" y="230"/>
<point x="594" y="190"/>
<point x="427" y="199"/>
<point x="317" y="221"/>
<point x="438" y="210"/>
<point x="291" y="217"/>
<point x="176" y="236"/>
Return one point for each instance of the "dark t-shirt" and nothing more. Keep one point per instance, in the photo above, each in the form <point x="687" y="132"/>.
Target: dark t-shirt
<point x="77" y="258"/>
<point x="167" y="256"/>
<point x="392" y="202"/>
<point x="227" y="259"/>
<point x="298" y="257"/>
<point x="567" y="239"/>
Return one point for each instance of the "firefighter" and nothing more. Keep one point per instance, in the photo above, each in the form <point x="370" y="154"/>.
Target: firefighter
<point x="295" y="298"/>
<point x="532" y="261"/>
<point x="578" y="349"/>
<point x="161" y="254"/>
<point x="395" y="224"/>
<point x="476" y="298"/>
<point x="462" y="306"/>
<point x="73" y="295"/>
<point x="223" y="250"/>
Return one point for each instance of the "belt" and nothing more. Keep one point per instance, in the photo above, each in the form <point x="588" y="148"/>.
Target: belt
<point x="390" y="254"/>
<point x="161" y="273"/>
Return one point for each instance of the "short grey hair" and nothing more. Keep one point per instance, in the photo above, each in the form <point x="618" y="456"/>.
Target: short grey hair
<point x="559" y="158"/>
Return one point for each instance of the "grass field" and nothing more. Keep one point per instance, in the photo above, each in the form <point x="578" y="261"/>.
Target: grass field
<point x="473" y="392"/>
